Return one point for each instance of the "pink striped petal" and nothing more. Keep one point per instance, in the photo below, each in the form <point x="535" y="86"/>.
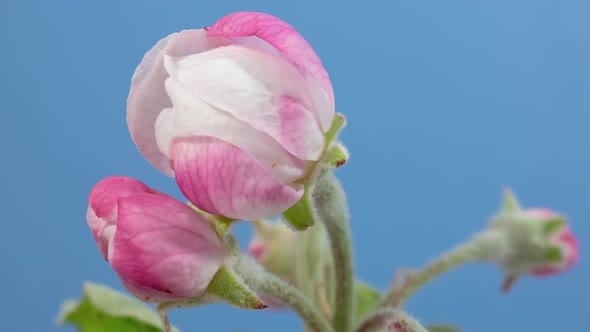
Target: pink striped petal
<point x="280" y="35"/>
<point x="255" y="87"/>
<point x="222" y="179"/>
<point x="147" y="97"/>
<point x="163" y="249"/>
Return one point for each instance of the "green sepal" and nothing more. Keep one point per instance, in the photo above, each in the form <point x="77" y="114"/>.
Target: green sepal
<point x="366" y="300"/>
<point x="511" y="203"/>
<point x="553" y="254"/>
<point x="338" y="124"/>
<point x="103" y="309"/>
<point x="335" y="156"/>
<point x="230" y="288"/>
<point x="442" y="328"/>
<point x="553" y="225"/>
<point x="219" y="224"/>
<point x="300" y="215"/>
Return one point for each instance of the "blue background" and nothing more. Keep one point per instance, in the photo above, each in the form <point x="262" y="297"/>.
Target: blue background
<point x="447" y="101"/>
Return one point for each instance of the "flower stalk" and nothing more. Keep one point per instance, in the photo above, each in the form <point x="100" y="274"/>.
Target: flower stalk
<point x="330" y="207"/>
<point x="470" y="251"/>
<point x="270" y="285"/>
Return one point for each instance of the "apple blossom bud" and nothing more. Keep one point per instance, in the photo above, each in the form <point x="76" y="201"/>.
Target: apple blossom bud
<point x="237" y="113"/>
<point x="534" y="241"/>
<point x="161" y="249"/>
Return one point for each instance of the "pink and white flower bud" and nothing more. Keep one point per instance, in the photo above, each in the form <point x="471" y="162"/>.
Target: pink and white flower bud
<point x="161" y="249"/>
<point x="536" y="241"/>
<point x="236" y="113"/>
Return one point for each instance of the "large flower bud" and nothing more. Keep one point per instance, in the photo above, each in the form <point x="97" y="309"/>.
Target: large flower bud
<point x="237" y="113"/>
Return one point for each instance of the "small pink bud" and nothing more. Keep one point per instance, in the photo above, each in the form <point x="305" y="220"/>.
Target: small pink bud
<point x="161" y="249"/>
<point x="534" y="241"/>
<point x="237" y="113"/>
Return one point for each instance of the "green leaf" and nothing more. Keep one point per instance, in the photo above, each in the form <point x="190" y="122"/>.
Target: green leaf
<point x="103" y="309"/>
<point x="366" y="299"/>
<point x="442" y="328"/>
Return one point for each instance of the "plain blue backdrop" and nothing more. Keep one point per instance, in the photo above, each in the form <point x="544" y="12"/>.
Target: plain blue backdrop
<point x="447" y="102"/>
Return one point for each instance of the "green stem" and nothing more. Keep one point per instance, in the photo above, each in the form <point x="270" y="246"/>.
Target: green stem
<point x="471" y="251"/>
<point x="330" y="206"/>
<point x="268" y="284"/>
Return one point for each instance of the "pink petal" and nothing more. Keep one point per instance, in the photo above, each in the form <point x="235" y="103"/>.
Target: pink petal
<point x="163" y="249"/>
<point x="97" y="225"/>
<point x="102" y="207"/>
<point x="568" y="240"/>
<point x="147" y="97"/>
<point x="220" y="178"/>
<point x="257" y="88"/>
<point x="285" y="39"/>
<point x="103" y="197"/>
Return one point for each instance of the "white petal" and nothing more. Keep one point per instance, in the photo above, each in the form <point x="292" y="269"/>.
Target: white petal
<point x="258" y="88"/>
<point x="192" y="117"/>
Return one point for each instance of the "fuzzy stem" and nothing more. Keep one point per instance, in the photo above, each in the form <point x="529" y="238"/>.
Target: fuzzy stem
<point x="330" y="207"/>
<point x="470" y="251"/>
<point x="268" y="284"/>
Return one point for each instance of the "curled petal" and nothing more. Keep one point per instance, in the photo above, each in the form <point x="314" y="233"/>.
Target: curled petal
<point x="222" y="179"/>
<point x="285" y="39"/>
<point x="163" y="249"/>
